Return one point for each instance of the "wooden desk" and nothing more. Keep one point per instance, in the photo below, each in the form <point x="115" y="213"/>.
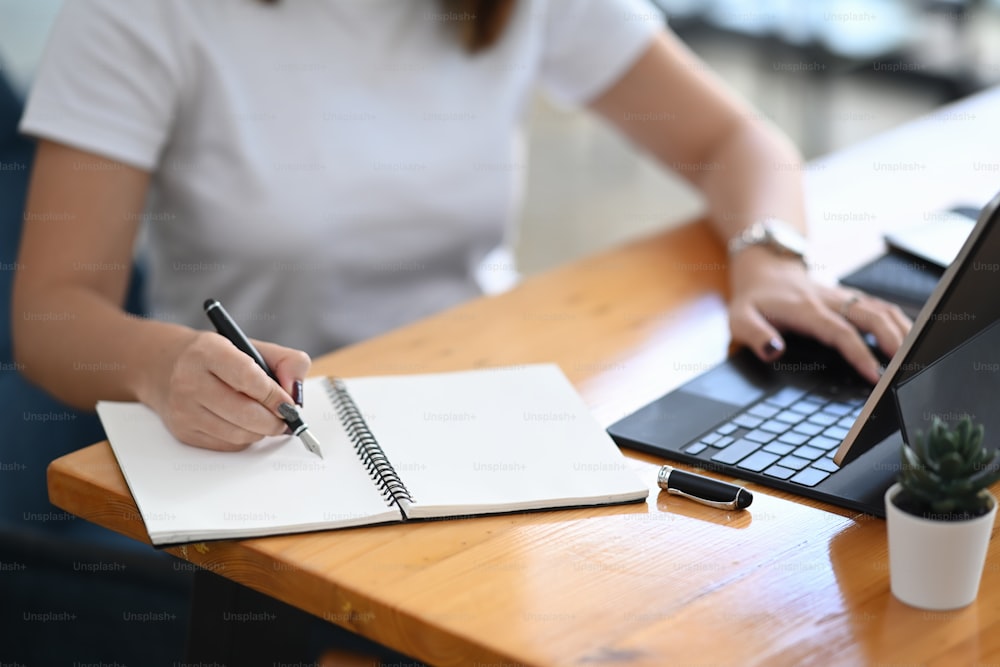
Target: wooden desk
<point x="668" y="582"/>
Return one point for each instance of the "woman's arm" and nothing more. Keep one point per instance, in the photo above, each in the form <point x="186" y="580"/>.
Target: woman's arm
<point x="73" y="338"/>
<point x="672" y="106"/>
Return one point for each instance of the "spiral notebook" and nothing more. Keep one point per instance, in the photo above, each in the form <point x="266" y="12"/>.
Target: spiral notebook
<point x="395" y="448"/>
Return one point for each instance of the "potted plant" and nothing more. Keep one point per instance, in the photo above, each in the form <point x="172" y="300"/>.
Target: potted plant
<point x="940" y="516"/>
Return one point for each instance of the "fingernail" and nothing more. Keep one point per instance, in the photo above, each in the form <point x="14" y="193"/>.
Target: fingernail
<point x="773" y="347"/>
<point x="297" y="393"/>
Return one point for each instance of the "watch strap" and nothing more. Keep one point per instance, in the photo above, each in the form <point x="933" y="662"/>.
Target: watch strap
<point x="762" y="233"/>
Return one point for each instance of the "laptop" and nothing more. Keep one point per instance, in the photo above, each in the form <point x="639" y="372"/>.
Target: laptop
<point x="943" y="390"/>
<point x="807" y="423"/>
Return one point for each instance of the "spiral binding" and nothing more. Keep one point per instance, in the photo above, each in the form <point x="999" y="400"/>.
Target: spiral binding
<point x="390" y="486"/>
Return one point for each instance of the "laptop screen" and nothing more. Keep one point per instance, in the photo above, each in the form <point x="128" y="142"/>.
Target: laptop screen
<point x="964" y="382"/>
<point x="965" y="302"/>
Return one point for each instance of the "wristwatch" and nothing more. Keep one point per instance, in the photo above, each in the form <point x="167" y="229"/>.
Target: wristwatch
<point x="775" y="234"/>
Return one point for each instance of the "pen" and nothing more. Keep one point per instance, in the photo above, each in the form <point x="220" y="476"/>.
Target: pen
<point x="704" y="490"/>
<point x="226" y="327"/>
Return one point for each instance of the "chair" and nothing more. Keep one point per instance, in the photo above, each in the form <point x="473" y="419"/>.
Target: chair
<point x="73" y="592"/>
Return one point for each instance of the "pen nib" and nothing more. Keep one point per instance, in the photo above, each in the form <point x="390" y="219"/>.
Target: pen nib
<point x="309" y="440"/>
<point x="294" y="421"/>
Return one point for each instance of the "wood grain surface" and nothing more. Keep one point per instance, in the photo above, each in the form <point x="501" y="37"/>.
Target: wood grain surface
<point x="668" y="582"/>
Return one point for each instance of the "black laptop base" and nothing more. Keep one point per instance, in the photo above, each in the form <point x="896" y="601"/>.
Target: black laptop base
<point x="773" y="424"/>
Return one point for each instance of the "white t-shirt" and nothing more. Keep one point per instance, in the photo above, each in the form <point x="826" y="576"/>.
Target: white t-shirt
<point x="328" y="170"/>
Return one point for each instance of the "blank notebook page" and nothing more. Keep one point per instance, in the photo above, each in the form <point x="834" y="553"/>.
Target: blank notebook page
<point x="493" y="440"/>
<point x="185" y="493"/>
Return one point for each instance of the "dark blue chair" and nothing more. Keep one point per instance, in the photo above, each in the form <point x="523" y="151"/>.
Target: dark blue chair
<point x="72" y="592"/>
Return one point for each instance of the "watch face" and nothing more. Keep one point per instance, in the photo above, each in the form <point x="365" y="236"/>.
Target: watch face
<point x="786" y="237"/>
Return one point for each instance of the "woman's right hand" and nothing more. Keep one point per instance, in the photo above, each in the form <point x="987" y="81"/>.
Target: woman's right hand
<point x="210" y="394"/>
<point x="72" y="338"/>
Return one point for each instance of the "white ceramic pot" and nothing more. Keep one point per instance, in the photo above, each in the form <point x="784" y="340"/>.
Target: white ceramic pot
<point x="936" y="564"/>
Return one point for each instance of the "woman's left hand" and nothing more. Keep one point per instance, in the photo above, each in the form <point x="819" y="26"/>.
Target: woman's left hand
<point x="771" y="294"/>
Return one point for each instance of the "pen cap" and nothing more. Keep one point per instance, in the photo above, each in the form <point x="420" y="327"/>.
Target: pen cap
<point x="663" y="476"/>
<point x="743" y="499"/>
<point x="705" y="490"/>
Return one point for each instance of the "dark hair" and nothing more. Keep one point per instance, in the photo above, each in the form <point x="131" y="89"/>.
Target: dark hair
<point x="478" y="23"/>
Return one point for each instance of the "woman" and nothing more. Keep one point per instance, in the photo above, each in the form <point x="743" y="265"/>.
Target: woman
<point x="320" y="167"/>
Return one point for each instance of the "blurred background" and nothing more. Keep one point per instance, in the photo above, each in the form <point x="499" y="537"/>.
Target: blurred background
<point x="828" y="72"/>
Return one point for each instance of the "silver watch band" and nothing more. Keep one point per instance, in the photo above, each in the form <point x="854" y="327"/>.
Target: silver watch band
<point x="751" y="236"/>
<point x="777" y="235"/>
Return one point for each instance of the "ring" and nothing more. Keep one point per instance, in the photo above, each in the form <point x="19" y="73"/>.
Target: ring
<point x="845" y="308"/>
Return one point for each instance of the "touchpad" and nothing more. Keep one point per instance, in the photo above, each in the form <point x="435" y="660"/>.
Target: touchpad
<point x="725" y="383"/>
<point x="672" y="421"/>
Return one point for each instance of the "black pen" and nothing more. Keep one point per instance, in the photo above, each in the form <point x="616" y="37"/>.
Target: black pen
<point x="704" y="490"/>
<point x="226" y="327"/>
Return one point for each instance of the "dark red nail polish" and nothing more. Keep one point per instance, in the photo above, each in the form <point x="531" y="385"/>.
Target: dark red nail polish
<point x="773" y="348"/>
<point x="297" y="393"/>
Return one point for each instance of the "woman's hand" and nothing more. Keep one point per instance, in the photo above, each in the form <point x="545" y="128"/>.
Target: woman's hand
<point x="210" y="394"/>
<point x="772" y="294"/>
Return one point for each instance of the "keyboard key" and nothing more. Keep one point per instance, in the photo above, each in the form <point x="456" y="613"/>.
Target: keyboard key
<point x="808" y="428"/>
<point x="846" y="422"/>
<point x="779" y="448"/>
<point x="736" y="451"/>
<point x="775" y="426"/>
<point x="793" y="462"/>
<point x="696" y="448"/>
<point x="760" y="436"/>
<point x="810" y="477"/>
<point x="748" y="421"/>
<point x="823" y="418"/>
<point x="806" y="407"/>
<point x="790" y="416"/>
<point x="723" y="441"/>
<point x="839" y="409"/>
<point x="726" y="429"/>
<point x="711" y="438"/>
<point x="779" y="472"/>
<point x="786" y="397"/>
<point x="807" y="452"/>
<point x="823" y="442"/>
<point x="758" y="461"/>
<point x="836" y="432"/>
<point x="827" y="464"/>
<point x="763" y="410"/>
<point x="794" y="438"/>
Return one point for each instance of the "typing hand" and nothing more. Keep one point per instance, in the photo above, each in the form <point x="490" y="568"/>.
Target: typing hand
<point x="212" y="395"/>
<point x="771" y="294"/>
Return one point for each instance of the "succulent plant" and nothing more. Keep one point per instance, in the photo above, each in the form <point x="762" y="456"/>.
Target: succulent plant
<point x="945" y="474"/>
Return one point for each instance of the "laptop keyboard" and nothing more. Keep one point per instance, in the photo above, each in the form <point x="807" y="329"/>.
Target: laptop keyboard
<point x="791" y="435"/>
